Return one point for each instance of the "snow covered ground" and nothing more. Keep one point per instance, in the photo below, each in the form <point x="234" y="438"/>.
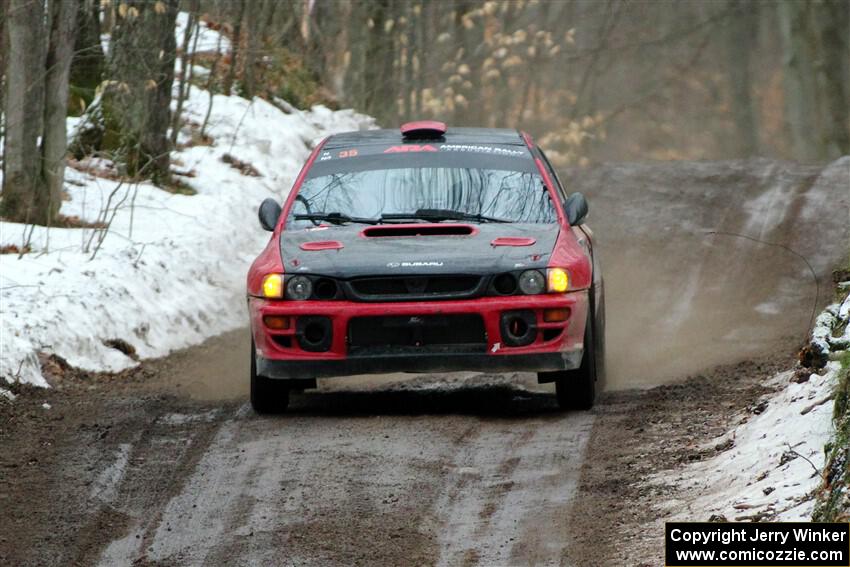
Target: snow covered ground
<point x="171" y="270"/>
<point x="207" y="40"/>
<point x="777" y="452"/>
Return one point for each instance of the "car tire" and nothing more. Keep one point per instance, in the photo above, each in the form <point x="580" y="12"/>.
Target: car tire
<point x="267" y="395"/>
<point x="576" y="389"/>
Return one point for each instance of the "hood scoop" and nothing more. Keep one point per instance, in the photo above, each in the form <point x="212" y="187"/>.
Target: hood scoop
<point x="321" y="245"/>
<point x="419" y="229"/>
<point x="513" y="241"/>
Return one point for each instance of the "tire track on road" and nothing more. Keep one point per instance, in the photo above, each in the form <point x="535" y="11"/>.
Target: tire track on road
<point x="507" y="497"/>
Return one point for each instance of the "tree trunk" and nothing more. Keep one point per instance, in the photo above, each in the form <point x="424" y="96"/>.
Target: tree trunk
<point x="209" y="86"/>
<point x="379" y="98"/>
<point x="335" y="57"/>
<point x="742" y="28"/>
<point x="155" y="145"/>
<point x="404" y="49"/>
<point x="89" y="61"/>
<point x="24" y="193"/>
<point x="799" y="81"/>
<point x="234" y="51"/>
<point x="831" y="22"/>
<point x="185" y="62"/>
<point x="417" y="58"/>
<point x="58" y="66"/>
<point x="252" y="42"/>
<point x="4" y="49"/>
<point x="355" y="70"/>
<point x="109" y="15"/>
<point x="136" y="106"/>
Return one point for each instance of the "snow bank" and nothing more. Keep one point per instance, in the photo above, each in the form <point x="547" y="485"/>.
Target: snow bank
<point x="171" y="271"/>
<point x="773" y="467"/>
<point x="207" y="40"/>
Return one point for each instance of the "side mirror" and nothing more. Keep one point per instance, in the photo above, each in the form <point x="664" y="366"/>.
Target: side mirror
<point x="269" y="214"/>
<point x="576" y="209"/>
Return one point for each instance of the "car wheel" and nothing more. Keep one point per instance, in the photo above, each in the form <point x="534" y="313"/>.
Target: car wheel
<point x="576" y="389"/>
<point x="267" y="395"/>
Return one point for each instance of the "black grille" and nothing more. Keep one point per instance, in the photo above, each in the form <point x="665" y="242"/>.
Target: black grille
<point x="416" y="333"/>
<point x="404" y="288"/>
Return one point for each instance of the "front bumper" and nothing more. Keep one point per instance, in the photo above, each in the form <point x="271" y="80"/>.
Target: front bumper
<point x="301" y="370"/>
<point x="556" y="345"/>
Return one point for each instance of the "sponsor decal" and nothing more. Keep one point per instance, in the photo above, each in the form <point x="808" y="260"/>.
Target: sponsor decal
<point x="410" y="148"/>
<point x="414" y="264"/>
<point x="343" y="153"/>
<point x="496" y="151"/>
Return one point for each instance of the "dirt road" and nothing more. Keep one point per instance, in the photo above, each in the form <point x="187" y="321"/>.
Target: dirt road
<point x="152" y="468"/>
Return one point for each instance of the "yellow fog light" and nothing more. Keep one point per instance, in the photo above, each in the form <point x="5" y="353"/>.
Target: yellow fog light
<point x="276" y="322"/>
<point x="273" y="285"/>
<point x="558" y="279"/>
<point x="556" y="315"/>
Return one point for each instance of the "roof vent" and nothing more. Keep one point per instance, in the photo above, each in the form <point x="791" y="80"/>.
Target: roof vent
<point x="423" y="130"/>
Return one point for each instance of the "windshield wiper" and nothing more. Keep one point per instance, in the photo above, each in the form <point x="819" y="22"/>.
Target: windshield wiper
<point x="437" y="215"/>
<point x="335" y="218"/>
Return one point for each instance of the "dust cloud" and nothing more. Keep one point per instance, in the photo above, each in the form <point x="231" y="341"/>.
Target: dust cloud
<point x="681" y="299"/>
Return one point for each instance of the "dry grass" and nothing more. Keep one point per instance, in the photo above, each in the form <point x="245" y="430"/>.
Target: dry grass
<point x="14" y="249"/>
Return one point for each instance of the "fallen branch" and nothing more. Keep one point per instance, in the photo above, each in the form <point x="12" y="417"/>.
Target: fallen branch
<point x="755" y="517"/>
<point x="139" y="257"/>
<point x="817" y="403"/>
<point x="791" y="450"/>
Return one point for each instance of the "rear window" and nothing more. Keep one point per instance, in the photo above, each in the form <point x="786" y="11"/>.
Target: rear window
<point x="510" y="196"/>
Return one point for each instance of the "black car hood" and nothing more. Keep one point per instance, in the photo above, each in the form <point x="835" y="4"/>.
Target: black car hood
<point x="424" y="254"/>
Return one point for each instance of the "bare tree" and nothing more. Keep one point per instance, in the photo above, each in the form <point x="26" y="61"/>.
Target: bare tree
<point x="254" y="33"/>
<point x="799" y="80"/>
<point x="186" y="62"/>
<point x="741" y="31"/>
<point x="378" y="89"/>
<point x="707" y="79"/>
<point x="63" y="19"/>
<point x="831" y="22"/>
<point x="24" y="197"/>
<point x="136" y="105"/>
<point x="35" y="104"/>
<point x="236" y="40"/>
<point x="89" y="62"/>
<point x="4" y="49"/>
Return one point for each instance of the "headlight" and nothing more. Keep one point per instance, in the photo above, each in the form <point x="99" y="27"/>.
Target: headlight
<point x="558" y="280"/>
<point x="299" y="288"/>
<point x="531" y="282"/>
<point x="273" y="286"/>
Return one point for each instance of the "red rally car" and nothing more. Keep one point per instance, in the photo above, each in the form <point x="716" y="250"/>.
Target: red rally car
<point x="432" y="249"/>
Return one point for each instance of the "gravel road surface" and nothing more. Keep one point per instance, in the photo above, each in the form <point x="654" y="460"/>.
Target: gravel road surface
<point x="168" y="465"/>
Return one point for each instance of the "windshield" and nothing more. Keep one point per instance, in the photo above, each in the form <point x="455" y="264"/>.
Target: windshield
<point x="509" y="196"/>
